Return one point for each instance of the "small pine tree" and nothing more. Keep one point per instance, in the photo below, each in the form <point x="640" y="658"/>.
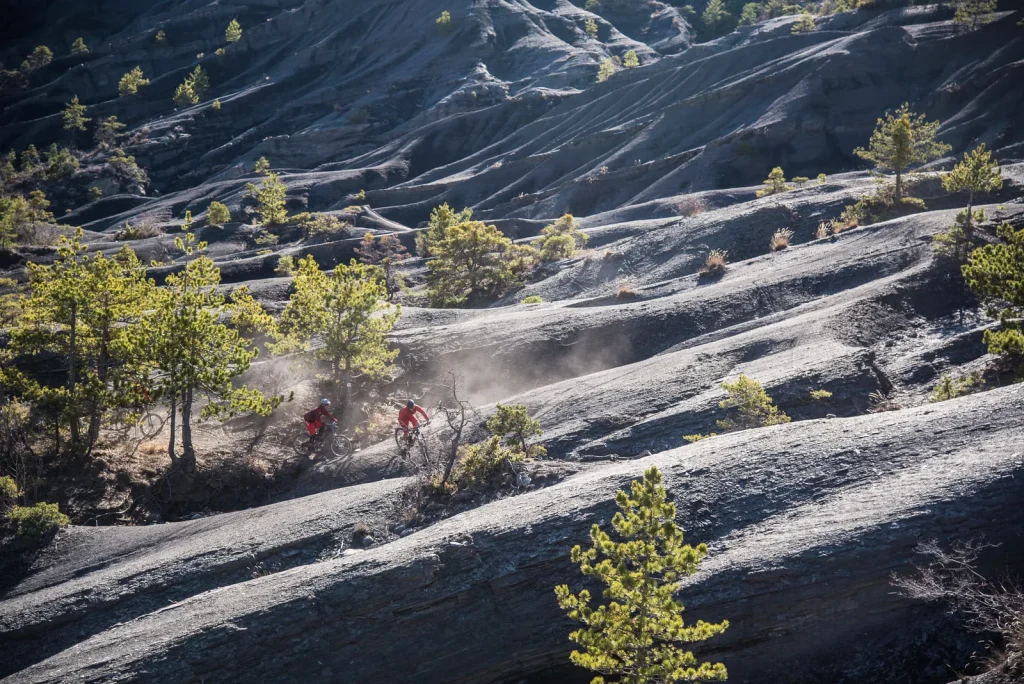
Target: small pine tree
<point x="95" y="194"/>
<point x="714" y="16"/>
<point x="160" y="38"/>
<point x="750" y="14"/>
<point x="804" y="24"/>
<point x="639" y="635"/>
<point x="444" y="21"/>
<point x="40" y="57"/>
<point x="754" y="406"/>
<point x="900" y="139"/>
<point x="969" y="12"/>
<point x="776" y="183"/>
<point x="561" y="240"/>
<point x="215" y="106"/>
<point x="184" y="96"/>
<point x="514" y="425"/>
<point x="977" y="173"/>
<point x="132" y="81"/>
<point x="233" y="33"/>
<point x="285" y="266"/>
<point x="74" y="116"/>
<point x="269" y="195"/>
<point x="79" y="47"/>
<point x="630" y="60"/>
<point x="262" y="167"/>
<point x="386" y="252"/>
<point x="108" y="131"/>
<point x="995" y="273"/>
<point x="608" y="67"/>
<point x="590" y="28"/>
<point x="441" y="219"/>
<point x="217" y="214"/>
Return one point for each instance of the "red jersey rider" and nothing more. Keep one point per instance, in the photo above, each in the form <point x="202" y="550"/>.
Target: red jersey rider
<point x="314" y="419"/>
<point x="407" y="417"/>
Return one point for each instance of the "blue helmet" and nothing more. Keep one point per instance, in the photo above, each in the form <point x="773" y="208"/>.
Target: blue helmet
<point x="410" y="404"/>
<point x="325" y="402"/>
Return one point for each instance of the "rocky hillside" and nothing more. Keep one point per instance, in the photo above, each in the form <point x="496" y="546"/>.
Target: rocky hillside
<point x="376" y="113"/>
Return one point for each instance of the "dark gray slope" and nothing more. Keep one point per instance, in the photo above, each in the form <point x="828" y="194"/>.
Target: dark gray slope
<point x="804" y="521"/>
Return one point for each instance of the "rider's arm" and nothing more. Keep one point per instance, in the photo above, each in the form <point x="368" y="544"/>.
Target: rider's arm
<point x="422" y="413"/>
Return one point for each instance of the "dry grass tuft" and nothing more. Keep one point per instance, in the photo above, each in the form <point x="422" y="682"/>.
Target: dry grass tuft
<point x="715" y="262"/>
<point x="780" y="239"/>
<point x="626" y="289"/>
<point x="691" y="205"/>
<point x="824" y="230"/>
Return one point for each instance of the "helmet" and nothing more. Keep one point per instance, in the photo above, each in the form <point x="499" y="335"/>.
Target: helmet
<point x="410" y="404"/>
<point x="325" y="402"/>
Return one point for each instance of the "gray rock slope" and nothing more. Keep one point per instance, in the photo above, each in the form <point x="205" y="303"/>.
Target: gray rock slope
<point x="805" y="523"/>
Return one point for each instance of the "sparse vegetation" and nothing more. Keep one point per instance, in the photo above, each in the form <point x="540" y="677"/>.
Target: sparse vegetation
<point x="969" y="13"/>
<point x="193" y="89"/>
<point x="691" y="205"/>
<point x="108" y="132"/>
<point x="269" y="196"/>
<point x="444" y="21"/>
<point x="127" y="171"/>
<point x="951" y="387"/>
<point x="131" y="82"/>
<point x="74" y="116"/>
<point x="385" y="252"/>
<point x="901" y="139"/>
<point x="715" y="17"/>
<point x="441" y="219"/>
<point x="215" y="105"/>
<point x="775" y="183"/>
<point x="804" y="24"/>
<point x="532" y="299"/>
<point x="699" y="437"/>
<point x="79" y="47"/>
<point x="285" y="266"/>
<point x="514" y="426"/>
<point x="561" y="240"/>
<point x="637" y="635"/>
<point x="780" y="239"/>
<point x="37" y="522"/>
<point x="217" y="214"/>
<point x="143" y="229"/>
<point x="590" y="28"/>
<point x="630" y="60"/>
<point x="977" y="173"/>
<point x="820" y="394"/>
<point x="754" y="408"/>
<point x="608" y="67"/>
<point x="715" y="262"/>
<point x="160" y="38"/>
<point x="95" y="194"/>
<point x="995" y="274"/>
<point x="319" y="225"/>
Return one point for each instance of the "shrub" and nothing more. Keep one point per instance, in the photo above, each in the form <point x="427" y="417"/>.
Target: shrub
<point x="9" y="494"/>
<point x="513" y="424"/>
<point x="776" y="183"/>
<point x="780" y="239"/>
<point x="750" y="14"/>
<point x="79" y="47"/>
<point x="970" y="12"/>
<point x="949" y="387"/>
<point x="217" y="214"/>
<point x="715" y="262"/>
<point x="638" y="635"/>
<point x="126" y="170"/>
<point x="881" y="402"/>
<point x="690" y="205"/>
<point x="630" y="60"/>
<point x="820" y="394"/>
<point x="40" y="57"/>
<point x="444" y="21"/>
<point x="485" y="465"/>
<point x="265" y="237"/>
<point x="607" y="68"/>
<point x="532" y="299"/>
<point x="714" y="16"/>
<point x="215" y="106"/>
<point x="822" y="178"/>
<point x="269" y="196"/>
<point x="319" y="225"/>
<point x="144" y="229"/>
<point x="36" y="522"/>
<point x="193" y="89"/>
<point x="901" y="139"/>
<point x="95" y="194"/>
<point x="285" y="266"/>
<point x="475" y="261"/>
<point x="824" y="229"/>
<point x="360" y="196"/>
<point x="160" y="38"/>
<point x="754" y="408"/>
<point x="561" y="240"/>
<point x="60" y="162"/>
<point x="386" y="252"/>
<point x="590" y="28"/>
<point x="698" y="437"/>
<point x="233" y="33"/>
<point x="131" y="82"/>
<point x="800" y="179"/>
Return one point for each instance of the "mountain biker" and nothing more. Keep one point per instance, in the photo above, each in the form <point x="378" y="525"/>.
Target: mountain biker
<point x="314" y="418"/>
<point x="407" y="417"/>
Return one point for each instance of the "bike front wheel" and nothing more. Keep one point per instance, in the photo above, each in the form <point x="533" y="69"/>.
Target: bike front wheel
<point x="341" y="446"/>
<point x="151" y="424"/>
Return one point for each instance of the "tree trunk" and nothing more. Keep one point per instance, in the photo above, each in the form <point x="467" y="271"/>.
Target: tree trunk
<point x="76" y="436"/>
<point x="899" y="188"/>
<point x="174" y="425"/>
<point x="188" y="453"/>
<point x="101" y="374"/>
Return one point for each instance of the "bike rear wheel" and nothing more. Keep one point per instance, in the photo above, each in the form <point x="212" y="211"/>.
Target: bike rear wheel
<point x="151" y="424"/>
<point x="303" y="445"/>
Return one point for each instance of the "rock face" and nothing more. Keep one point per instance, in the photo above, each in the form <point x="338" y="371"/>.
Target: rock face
<point x="805" y="522"/>
<point x="625" y="355"/>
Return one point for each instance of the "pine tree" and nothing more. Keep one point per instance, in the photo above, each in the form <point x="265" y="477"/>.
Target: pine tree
<point x="79" y="47"/>
<point x="108" y="131"/>
<point x="751" y="14"/>
<point x="900" y="139"/>
<point x="233" y="33"/>
<point x="970" y="12"/>
<point x="590" y="28"/>
<point x="132" y="81"/>
<point x="217" y="214"/>
<point x="473" y="261"/>
<point x="40" y="57"/>
<point x="714" y="16"/>
<point x="346" y="310"/>
<point x="191" y="351"/>
<point x="977" y="173"/>
<point x="74" y="116"/>
<point x="561" y="240"/>
<point x="630" y="60"/>
<point x="269" y="195"/>
<point x="514" y="424"/>
<point x="385" y="251"/>
<point x="804" y="24"/>
<point x="995" y="273"/>
<point x="754" y="408"/>
<point x="441" y="219"/>
<point x="160" y="38"/>
<point x="776" y="183"/>
<point x="193" y="89"/>
<point x="638" y="635"/>
<point x="608" y="67"/>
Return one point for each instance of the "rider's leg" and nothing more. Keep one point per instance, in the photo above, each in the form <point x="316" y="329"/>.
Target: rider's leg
<point x="311" y="429"/>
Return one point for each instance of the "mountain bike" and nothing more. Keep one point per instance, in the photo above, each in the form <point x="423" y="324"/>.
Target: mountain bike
<point x="149" y="423"/>
<point x="327" y="438"/>
<point x="405" y="444"/>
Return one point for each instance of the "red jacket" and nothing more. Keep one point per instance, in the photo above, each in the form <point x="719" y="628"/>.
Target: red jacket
<point x="314" y="415"/>
<point x="407" y="416"/>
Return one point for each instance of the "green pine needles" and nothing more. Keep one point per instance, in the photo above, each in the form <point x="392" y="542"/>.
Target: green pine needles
<point x="639" y="635"/>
